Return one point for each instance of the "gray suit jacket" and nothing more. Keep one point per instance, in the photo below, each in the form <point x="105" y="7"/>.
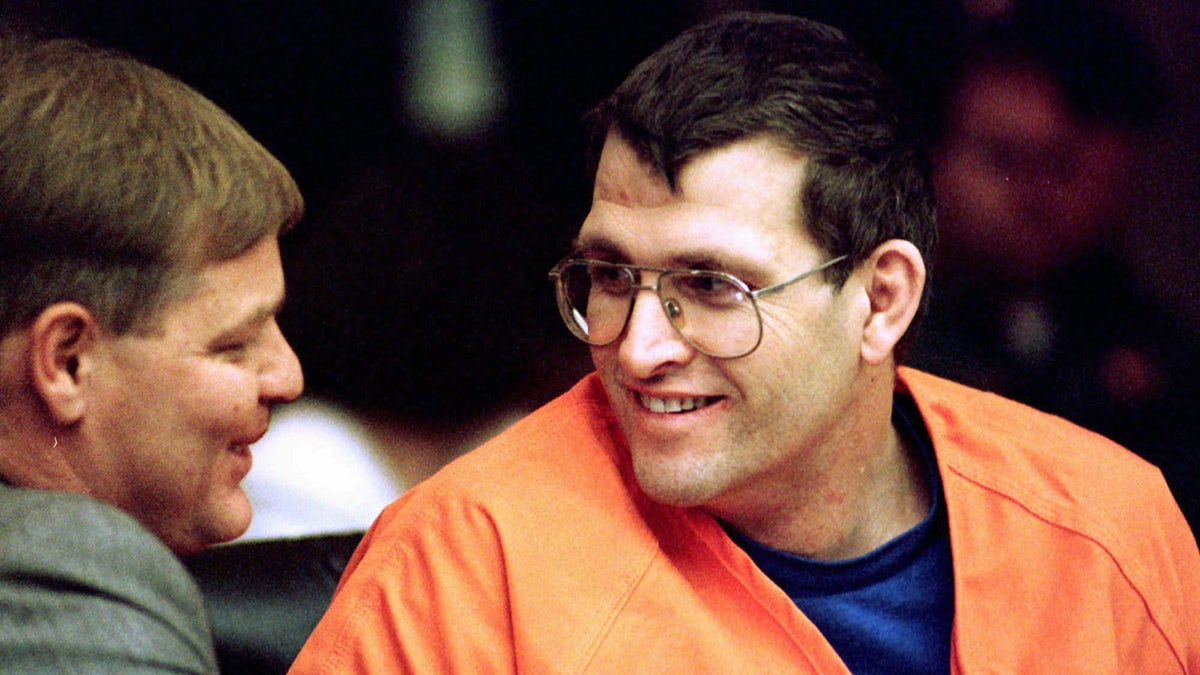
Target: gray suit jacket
<point x="85" y="589"/>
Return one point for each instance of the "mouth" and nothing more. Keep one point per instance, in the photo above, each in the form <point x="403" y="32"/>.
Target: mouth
<point x="241" y="459"/>
<point x="246" y="442"/>
<point x="675" y="404"/>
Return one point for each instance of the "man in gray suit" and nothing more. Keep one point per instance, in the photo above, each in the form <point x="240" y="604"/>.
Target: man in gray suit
<point x="140" y="279"/>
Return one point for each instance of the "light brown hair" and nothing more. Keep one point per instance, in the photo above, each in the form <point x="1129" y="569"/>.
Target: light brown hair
<point x="118" y="182"/>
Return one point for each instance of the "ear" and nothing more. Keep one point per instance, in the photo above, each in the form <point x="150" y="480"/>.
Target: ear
<point x="895" y="277"/>
<point x="60" y="340"/>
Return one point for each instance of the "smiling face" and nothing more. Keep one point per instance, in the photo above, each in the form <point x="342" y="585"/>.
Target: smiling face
<point x="172" y="411"/>
<point x="737" y="436"/>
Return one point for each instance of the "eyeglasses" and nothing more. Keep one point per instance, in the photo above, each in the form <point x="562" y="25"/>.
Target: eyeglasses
<point x="715" y="312"/>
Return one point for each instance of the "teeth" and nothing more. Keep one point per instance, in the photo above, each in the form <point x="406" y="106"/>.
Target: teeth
<point x="673" y="405"/>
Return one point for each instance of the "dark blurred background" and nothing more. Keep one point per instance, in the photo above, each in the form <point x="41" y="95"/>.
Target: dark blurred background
<point x="438" y="148"/>
<point x="438" y="145"/>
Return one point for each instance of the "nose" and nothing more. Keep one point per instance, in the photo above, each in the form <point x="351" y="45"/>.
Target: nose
<point x="650" y="342"/>
<point x="281" y="379"/>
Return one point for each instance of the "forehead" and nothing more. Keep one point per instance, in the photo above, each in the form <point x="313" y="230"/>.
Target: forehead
<point x="242" y="289"/>
<point x="737" y="201"/>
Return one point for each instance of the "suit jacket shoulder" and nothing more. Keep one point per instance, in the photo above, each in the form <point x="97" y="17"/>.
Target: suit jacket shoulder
<point x="84" y="587"/>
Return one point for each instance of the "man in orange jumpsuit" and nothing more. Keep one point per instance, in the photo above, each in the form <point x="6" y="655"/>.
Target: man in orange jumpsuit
<point x="748" y="483"/>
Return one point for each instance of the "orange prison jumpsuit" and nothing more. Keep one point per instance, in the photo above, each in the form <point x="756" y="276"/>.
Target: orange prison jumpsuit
<point x="538" y="554"/>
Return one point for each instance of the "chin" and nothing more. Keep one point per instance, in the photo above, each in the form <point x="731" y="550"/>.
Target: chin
<point x="215" y="521"/>
<point x="671" y="483"/>
<point x="228" y="520"/>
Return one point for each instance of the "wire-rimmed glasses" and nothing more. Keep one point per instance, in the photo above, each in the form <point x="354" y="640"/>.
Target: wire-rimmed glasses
<point x="715" y="312"/>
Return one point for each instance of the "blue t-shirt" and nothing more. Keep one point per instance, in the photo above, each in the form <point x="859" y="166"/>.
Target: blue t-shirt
<point x="889" y="611"/>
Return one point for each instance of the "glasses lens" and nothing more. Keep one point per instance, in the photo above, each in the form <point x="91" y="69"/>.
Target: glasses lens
<point x="593" y="299"/>
<point x="714" y="311"/>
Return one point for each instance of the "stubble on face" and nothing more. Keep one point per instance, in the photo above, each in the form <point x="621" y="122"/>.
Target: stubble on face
<point x="736" y="205"/>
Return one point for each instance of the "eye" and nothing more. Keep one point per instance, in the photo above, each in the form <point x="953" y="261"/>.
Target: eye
<point x="609" y="278"/>
<point x="231" y="349"/>
<point x="234" y="347"/>
<point x="710" y="288"/>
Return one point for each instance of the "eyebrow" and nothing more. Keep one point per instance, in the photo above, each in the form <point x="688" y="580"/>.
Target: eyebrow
<point x="598" y="248"/>
<point x="603" y="248"/>
<point x="271" y="310"/>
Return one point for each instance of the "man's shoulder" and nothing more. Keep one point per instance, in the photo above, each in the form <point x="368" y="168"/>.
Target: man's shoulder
<point x="82" y="541"/>
<point x="1036" y="501"/>
<point x="1046" y="467"/>
<point x="84" y="581"/>
<point x="32" y="523"/>
<point x="958" y="414"/>
<point x="570" y="438"/>
<point x="979" y="432"/>
<point x="565" y="460"/>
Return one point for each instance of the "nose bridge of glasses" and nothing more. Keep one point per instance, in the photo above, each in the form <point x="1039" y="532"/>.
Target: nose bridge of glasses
<point x="638" y="283"/>
<point x="668" y="306"/>
<point x="637" y="279"/>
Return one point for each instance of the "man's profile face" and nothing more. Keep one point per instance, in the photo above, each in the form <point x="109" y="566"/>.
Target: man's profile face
<point x="765" y="416"/>
<point x="175" y="409"/>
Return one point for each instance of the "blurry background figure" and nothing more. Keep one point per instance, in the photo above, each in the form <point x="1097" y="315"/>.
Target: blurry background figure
<point x="1040" y="134"/>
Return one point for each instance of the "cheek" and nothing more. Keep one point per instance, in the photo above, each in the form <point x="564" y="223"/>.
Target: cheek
<point x="604" y="360"/>
<point x="805" y="355"/>
<point x="224" y="403"/>
<point x="797" y="340"/>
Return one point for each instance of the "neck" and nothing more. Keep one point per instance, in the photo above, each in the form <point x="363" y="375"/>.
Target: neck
<point x="34" y="455"/>
<point x="863" y="489"/>
<point x="34" y="451"/>
<point x="38" y="465"/>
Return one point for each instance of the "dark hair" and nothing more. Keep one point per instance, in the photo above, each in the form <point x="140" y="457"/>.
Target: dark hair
<point x="805" y="85"/>
<point x="118" y="182"/>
